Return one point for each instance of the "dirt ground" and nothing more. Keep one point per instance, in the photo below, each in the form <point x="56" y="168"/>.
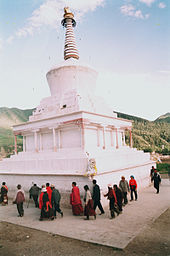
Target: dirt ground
<point x="20" y="241"/>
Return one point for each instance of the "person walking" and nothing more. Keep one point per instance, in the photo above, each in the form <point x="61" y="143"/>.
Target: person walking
<point x="45" y="206"/>
<point x="133" y="188"/>
<point x="96" y="197"/>
<point x="152" y="173"/>
<point x="119" y="196"/>
<point x="75" y="200"/>
<point x="89" y="208"/>
<point x="157" y="180"/>
<point x="4" y="192"/>
<point x="34" y="193"/>
<point x="124" y="186"/>
<point x="49" y="191"/>
<point x="19" y="200"/>
<point x="111" y="196"/>
<point x="55" y="201"/>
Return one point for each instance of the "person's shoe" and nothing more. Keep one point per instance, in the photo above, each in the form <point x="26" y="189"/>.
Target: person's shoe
<point x="62" y="214"/>
<point x="112" y="217"/>
<point x="55" y="217"/>
<point x="86" y="218"/>
<point x="40" y="219"/>
<point x="131" y="200"/>
<point x="101" y="213"/>
<point x="136" y="199"/>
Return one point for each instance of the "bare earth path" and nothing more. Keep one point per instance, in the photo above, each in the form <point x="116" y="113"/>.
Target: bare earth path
<point x="138" y="231"/>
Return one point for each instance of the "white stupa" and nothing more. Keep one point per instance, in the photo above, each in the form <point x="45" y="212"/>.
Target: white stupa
<point x="70" y="128"/>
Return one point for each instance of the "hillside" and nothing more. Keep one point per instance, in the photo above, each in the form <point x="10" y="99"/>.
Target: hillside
<point x="164" y="118"/>
<point x="148" y="136"/>
<point x="8" y="118"/>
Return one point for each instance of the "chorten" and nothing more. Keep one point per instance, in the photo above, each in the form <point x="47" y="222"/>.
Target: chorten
<point x="72" y="135"/>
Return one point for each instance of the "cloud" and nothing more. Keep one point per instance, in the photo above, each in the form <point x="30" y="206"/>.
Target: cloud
<point x="130" y="10"/>
<point x="51" y="12"/>
<point x="147" y="2"/>
<point x="161" y="5"/>
<point x="10" y="39"/>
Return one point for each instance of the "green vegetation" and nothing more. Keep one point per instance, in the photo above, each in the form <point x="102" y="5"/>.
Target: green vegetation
<point x="150" y="136"/>
<point x="8" y="118"/>
<point x="163" y="168"/>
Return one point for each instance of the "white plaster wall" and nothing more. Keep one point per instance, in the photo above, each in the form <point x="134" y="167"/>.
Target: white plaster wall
<point x="30" y="143"/>
<point x="71" y="138"/>
<point x="66" y="78"/>
<point x="47" y="141"/>
<point x="90" y="136"/>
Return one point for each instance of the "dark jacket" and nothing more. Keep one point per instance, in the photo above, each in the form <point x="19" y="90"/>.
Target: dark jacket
<point x="96" y="193"/>
<point x="119" y="195"/>
<point x="34" y="191"/>
<point x="55" y="199"/>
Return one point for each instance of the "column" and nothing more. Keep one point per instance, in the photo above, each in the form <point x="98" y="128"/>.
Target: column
<point x="131" y="143"/>
<point x="98" y="137"/>
<point x="117" y="143"/>
<point x="82" y="135"/>
<point x="104" y="141"/>
<point x="59" y="138"/>
<point x="16" y="145"/>
<point x="124" y="142"/>
<point x="111" y="137"/>
<point x="54" y="140"/>
<point x="24" y="144"/>
<point x="35" y="141"/>
<point x="41" y="145"/>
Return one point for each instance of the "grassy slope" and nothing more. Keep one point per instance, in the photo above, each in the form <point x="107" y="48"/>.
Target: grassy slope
<point x="150" y="136"/>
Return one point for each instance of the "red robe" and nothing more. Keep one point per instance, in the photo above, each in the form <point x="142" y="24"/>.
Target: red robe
<point x="41" y="200"/>
<point x="75" y="201"/>
<point x="49" y="192"/>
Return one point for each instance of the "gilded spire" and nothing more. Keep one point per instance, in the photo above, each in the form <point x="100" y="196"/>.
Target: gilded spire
<point x="70" y="48"/>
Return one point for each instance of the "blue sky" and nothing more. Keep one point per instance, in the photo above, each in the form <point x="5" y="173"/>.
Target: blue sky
<point x="126" y="41"/>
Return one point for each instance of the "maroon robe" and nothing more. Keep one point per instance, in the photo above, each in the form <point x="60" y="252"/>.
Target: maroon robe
<point x="75" y="201"/>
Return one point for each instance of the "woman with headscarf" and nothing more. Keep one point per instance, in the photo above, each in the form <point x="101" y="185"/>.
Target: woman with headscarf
<point x="89" y="208"/>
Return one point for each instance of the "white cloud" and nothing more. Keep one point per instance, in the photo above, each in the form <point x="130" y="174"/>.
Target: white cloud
<point x="147" y="2"/>
<point x="130" y="10"/>
<point x="51" y="12"/>
<point x="161" y="5"/>
<point x="10" y="39"/>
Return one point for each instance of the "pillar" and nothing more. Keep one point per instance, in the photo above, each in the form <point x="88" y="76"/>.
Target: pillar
<point x="82" y="135"/>
<point x="35" y="141"/>
<point x="16" y="145"/>
<point x="104" y="141"/>
<point x="24" y="144"/>
<point x="59" y="138"/>
<point x="117" y="142"/>
<point x="41" y="145"/>
<point x="98" y="137"/>
<point x="54" y="140"/>
<point x="130" y="131"/>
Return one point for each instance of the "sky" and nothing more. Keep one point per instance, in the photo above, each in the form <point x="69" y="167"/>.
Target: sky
<point x="126" y="41"/>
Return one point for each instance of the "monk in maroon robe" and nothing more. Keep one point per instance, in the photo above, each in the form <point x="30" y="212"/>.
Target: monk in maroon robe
<point x="75" y="200"/>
